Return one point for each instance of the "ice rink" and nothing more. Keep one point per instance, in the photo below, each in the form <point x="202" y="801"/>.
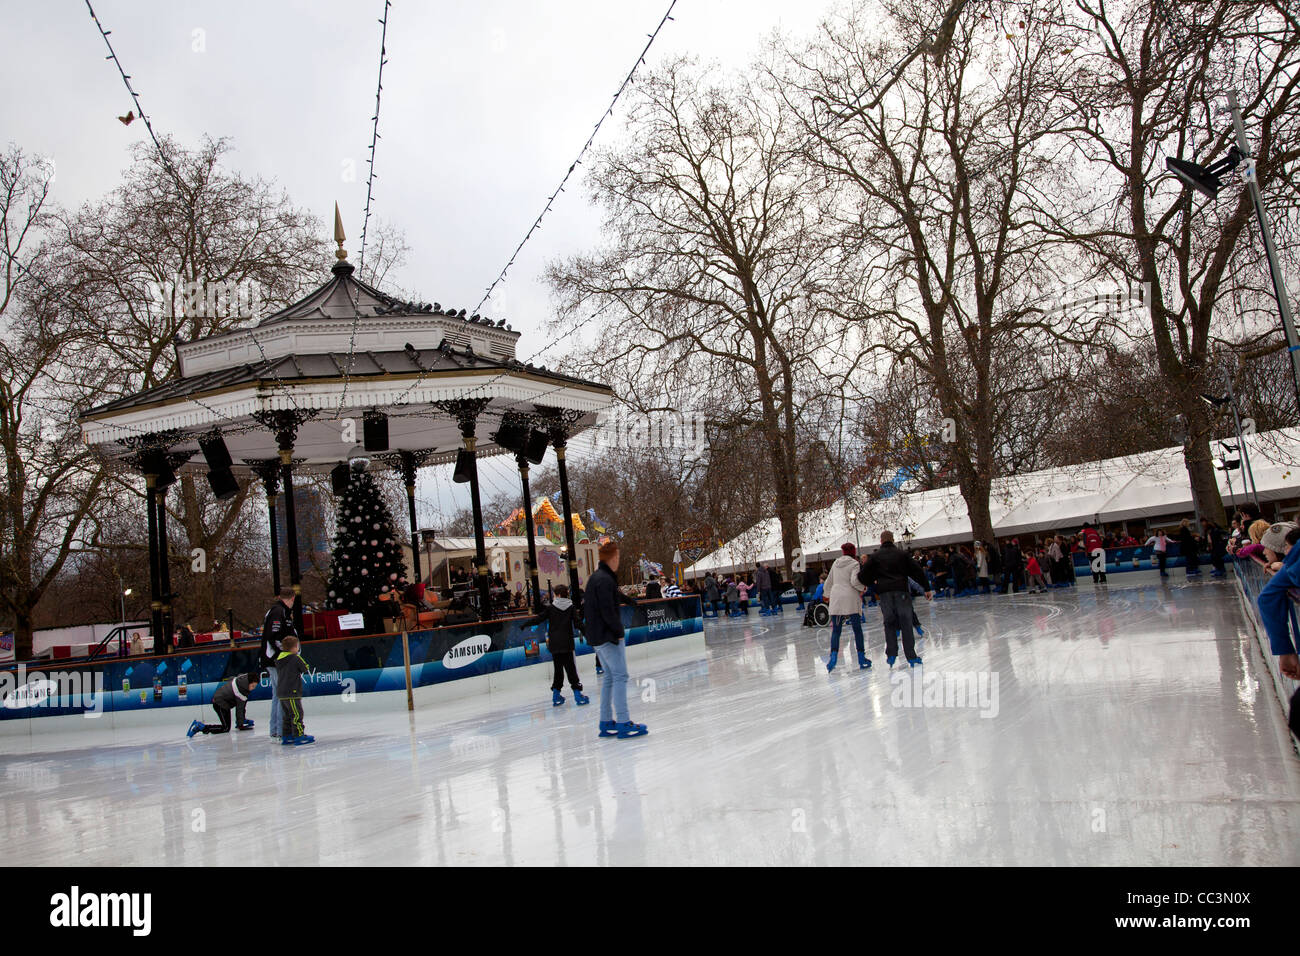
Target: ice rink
<point x="1129" y="726"/>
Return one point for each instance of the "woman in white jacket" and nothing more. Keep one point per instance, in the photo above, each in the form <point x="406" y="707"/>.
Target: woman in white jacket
<point x="843" y="592"/>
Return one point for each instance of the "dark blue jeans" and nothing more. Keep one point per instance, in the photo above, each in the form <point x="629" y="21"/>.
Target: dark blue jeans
<point x="855" y="621"/>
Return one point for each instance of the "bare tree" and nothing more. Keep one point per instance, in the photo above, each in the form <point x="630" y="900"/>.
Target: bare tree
<point x="1154" y="80"/>
<point x="51" y="483"/>
<point x="711" y="257"/>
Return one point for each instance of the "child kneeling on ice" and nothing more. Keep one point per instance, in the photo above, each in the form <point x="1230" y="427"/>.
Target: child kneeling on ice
<point x="562" y="619"/>
<point x="233" y="694"/>
<point x="289" y="668"/>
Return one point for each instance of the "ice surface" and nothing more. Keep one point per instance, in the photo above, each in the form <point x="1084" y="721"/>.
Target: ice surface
<point x="1130" y="726"/>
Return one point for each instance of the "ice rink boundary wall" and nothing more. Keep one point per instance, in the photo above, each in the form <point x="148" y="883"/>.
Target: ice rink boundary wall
<point x="353" y="665"/>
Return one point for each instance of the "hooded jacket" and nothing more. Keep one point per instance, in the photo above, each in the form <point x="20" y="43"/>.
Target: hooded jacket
<point x="561" y="618"/>
<point x="233" y="693"/>
<point x="843" y="590"/>
<point x="289" y="669"/>
<point x="763" y="579"/>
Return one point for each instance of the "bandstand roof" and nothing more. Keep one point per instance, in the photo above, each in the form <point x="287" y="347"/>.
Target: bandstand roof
<point x="341" y="351"/>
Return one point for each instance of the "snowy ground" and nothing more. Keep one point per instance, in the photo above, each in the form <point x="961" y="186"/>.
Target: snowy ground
<point x="1130" y="726"/>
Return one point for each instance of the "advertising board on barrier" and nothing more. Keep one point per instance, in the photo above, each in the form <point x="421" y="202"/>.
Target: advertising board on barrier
<point x="339" y="665"/>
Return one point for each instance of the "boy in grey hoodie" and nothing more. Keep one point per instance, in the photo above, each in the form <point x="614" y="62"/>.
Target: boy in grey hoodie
<point x="562" y="618"/>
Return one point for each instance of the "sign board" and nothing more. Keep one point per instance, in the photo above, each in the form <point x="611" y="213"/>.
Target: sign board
<point x="352" y="622"/>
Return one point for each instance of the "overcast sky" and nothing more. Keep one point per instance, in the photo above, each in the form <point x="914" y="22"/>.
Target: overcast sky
<point x="485" y="105"/>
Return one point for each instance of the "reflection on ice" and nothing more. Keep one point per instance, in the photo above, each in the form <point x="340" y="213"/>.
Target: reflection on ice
<point x="1128" y="726"/>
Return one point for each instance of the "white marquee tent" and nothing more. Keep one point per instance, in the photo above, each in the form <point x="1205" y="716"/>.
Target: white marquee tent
<point x="1141" y="487"/>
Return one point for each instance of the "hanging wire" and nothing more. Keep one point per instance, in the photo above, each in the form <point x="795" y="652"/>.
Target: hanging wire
<point x="166" y="161"/>
<point x="537" y="223"/>
<point x="374" y="136"/>
<point x="365" y="223"/>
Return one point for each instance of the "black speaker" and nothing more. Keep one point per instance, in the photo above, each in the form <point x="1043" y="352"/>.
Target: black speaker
<point x="215" y="452"/>
<point x="511" y="436"/>
<point x="464" y="466"/>
<point x="223" y="484"/>
<point x="154" y="462"/>
<point x="375" y="430"/>
<point x="340" y="475"/>
<point x="535" y="450"/>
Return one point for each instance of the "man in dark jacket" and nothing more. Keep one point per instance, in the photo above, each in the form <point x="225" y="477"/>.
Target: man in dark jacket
<point x="561" y="618"/>
<point x="277" y="625"/>
<point x="888" y="570"/>
<point x="604" y="625"/>
<point x="652" y="589"/>
<point x="231" y="695"/>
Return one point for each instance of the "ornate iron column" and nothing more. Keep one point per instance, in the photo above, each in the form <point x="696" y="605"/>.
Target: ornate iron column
<point x="286" y="425"/>
<point x="559" y="424"/>
<point x="164" y="567"/>
<point x="408" y="463"/>
<point x="155" y="599"/>
<point x="528" y="529"/>
<point x="269" y="471"/>
<point x="466" y="412"/>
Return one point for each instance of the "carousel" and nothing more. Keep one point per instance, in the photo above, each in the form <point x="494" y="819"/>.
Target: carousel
<point x="346" y="378"/>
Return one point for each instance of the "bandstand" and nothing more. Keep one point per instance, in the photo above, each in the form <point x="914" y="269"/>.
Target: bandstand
<point x="346" y="377"/>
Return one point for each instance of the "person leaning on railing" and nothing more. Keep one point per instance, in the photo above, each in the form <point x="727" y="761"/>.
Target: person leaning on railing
<point x="1275" y="601"/>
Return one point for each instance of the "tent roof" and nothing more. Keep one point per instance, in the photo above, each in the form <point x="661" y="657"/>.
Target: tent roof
<point x="1149" y="485"/>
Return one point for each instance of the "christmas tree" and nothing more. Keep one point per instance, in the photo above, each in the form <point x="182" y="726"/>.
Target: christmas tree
<point x="367" y="561"/>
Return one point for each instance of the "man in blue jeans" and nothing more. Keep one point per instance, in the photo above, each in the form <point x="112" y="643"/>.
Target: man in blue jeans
<point x="605" y="635"/>
<point x="277" y="625"/>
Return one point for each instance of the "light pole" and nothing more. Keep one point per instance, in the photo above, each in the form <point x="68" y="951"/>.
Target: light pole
<point x="123" y="594"/>
<point x="1205" y="180"/>
<point x="1225" y="464"/>
<point x="1231" y="399"/>
<point x="853" y="516"/>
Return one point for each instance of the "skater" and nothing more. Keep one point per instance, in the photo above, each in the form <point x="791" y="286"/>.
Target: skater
<point x="844" y="595"/>
<point x="1187" y="548"/>
<point x="1275" y="603"/>
<point x="652" y="589"/>
<point x="605" y="633"/>
<point x="277" y="625"/>
<point x="742" y="588"/>
<point x="890" y="569"/>
<point x="763" y="583"/>
<point x="233" y="694"/>
<point x="1036" y="582"/>
<point x="1092" y="546"/>
<point x="711" y="596"/>
<point x="1159" y="543"/>
<point x="1214" y="537"/>
<point x="290" y="667"/>
<point x="561" y="619"/>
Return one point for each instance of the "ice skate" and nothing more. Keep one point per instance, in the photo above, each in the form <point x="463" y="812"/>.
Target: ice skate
<point x="863" y="662"/>
<point x="580" y="698"/>
<point x="890" y="661"/>
<point x="913" y="661"/>
<point x="630" y="729"/>
<point x="830" y="664"/>
<point x="304" y="739"/>
<point x="195" y="727"/>
<point x="288" y="741"/>
<point x="608" y="728"/>
<point x="556" y="698"/>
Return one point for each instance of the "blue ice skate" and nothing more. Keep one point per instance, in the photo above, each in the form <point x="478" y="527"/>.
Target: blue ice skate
<point x="288" y="741"/>
<point x="890" y="661"/>
<point x="830" y="664"/>
<point x="630" y="729"/>
<point x="914" y="661"/>
<point x="920" y="631"/>
<point x="556" y="698"/>
<point x="863" y="662"/>
<point x="195" y="727"/>
<point x="304" y="739"/>
<point x="608" y="728"/>
<point x="580" y="698"/>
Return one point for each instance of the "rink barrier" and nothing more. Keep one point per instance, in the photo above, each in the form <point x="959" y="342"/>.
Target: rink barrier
<point x="1251" y="579"/>
<point x="345" y="665"/>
